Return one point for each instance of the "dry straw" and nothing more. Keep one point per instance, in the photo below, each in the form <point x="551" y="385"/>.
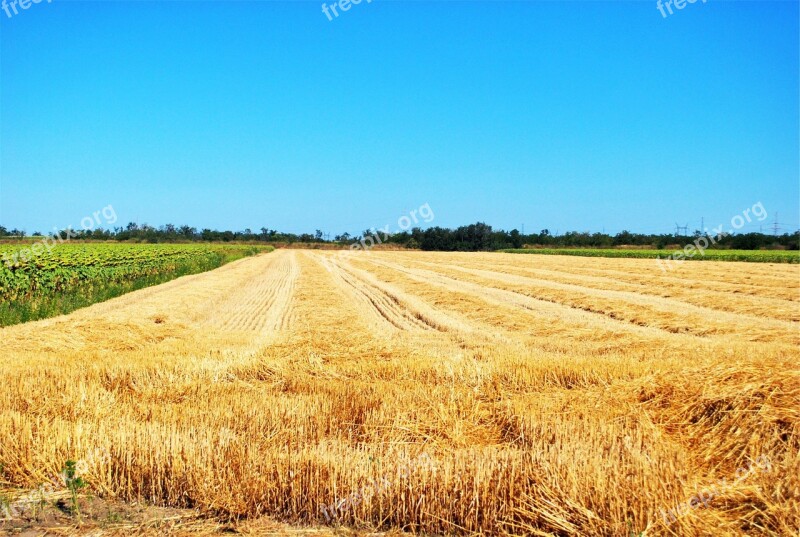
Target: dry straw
<point x="557" y="396"/>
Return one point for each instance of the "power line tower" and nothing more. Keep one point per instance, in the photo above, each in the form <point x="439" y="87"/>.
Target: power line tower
<point x="775" y="226"/>
<point x="678" y="229"/>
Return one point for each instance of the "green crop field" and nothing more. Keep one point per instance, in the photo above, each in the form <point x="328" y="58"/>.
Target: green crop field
<point x="38" y="282"/>
<point x="754" y="256"/>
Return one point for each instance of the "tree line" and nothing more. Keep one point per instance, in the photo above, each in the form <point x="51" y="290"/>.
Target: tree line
<point x="472" y="238"/>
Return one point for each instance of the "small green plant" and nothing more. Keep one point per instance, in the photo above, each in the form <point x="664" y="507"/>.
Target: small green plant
<point x="5" y="507"/>
<point x="633" y="531"/>
<point x="74" y="483"/>
<point x="113" y="518"/>
<point x="38" y="507"/>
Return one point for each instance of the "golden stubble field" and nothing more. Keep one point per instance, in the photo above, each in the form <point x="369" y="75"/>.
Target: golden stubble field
<point x="429" y="392"/>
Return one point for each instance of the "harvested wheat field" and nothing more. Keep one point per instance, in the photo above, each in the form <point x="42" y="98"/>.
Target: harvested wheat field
<point x="430" y="393"/>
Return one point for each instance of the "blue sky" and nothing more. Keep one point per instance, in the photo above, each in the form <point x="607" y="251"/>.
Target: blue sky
<point x="562" y="115"/>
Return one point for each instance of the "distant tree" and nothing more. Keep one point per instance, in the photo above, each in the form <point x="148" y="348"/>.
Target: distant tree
<point x="623" y="237"/>
<point x="187" y="232"/>
<point x="99" y="234"/>
<point x="747" y="241"/>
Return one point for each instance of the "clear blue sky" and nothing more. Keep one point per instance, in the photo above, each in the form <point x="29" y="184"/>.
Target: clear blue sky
<point x="560" y="115"/>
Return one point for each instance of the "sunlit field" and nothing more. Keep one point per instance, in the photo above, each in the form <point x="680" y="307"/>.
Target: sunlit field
<point x="433" y="393"/>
